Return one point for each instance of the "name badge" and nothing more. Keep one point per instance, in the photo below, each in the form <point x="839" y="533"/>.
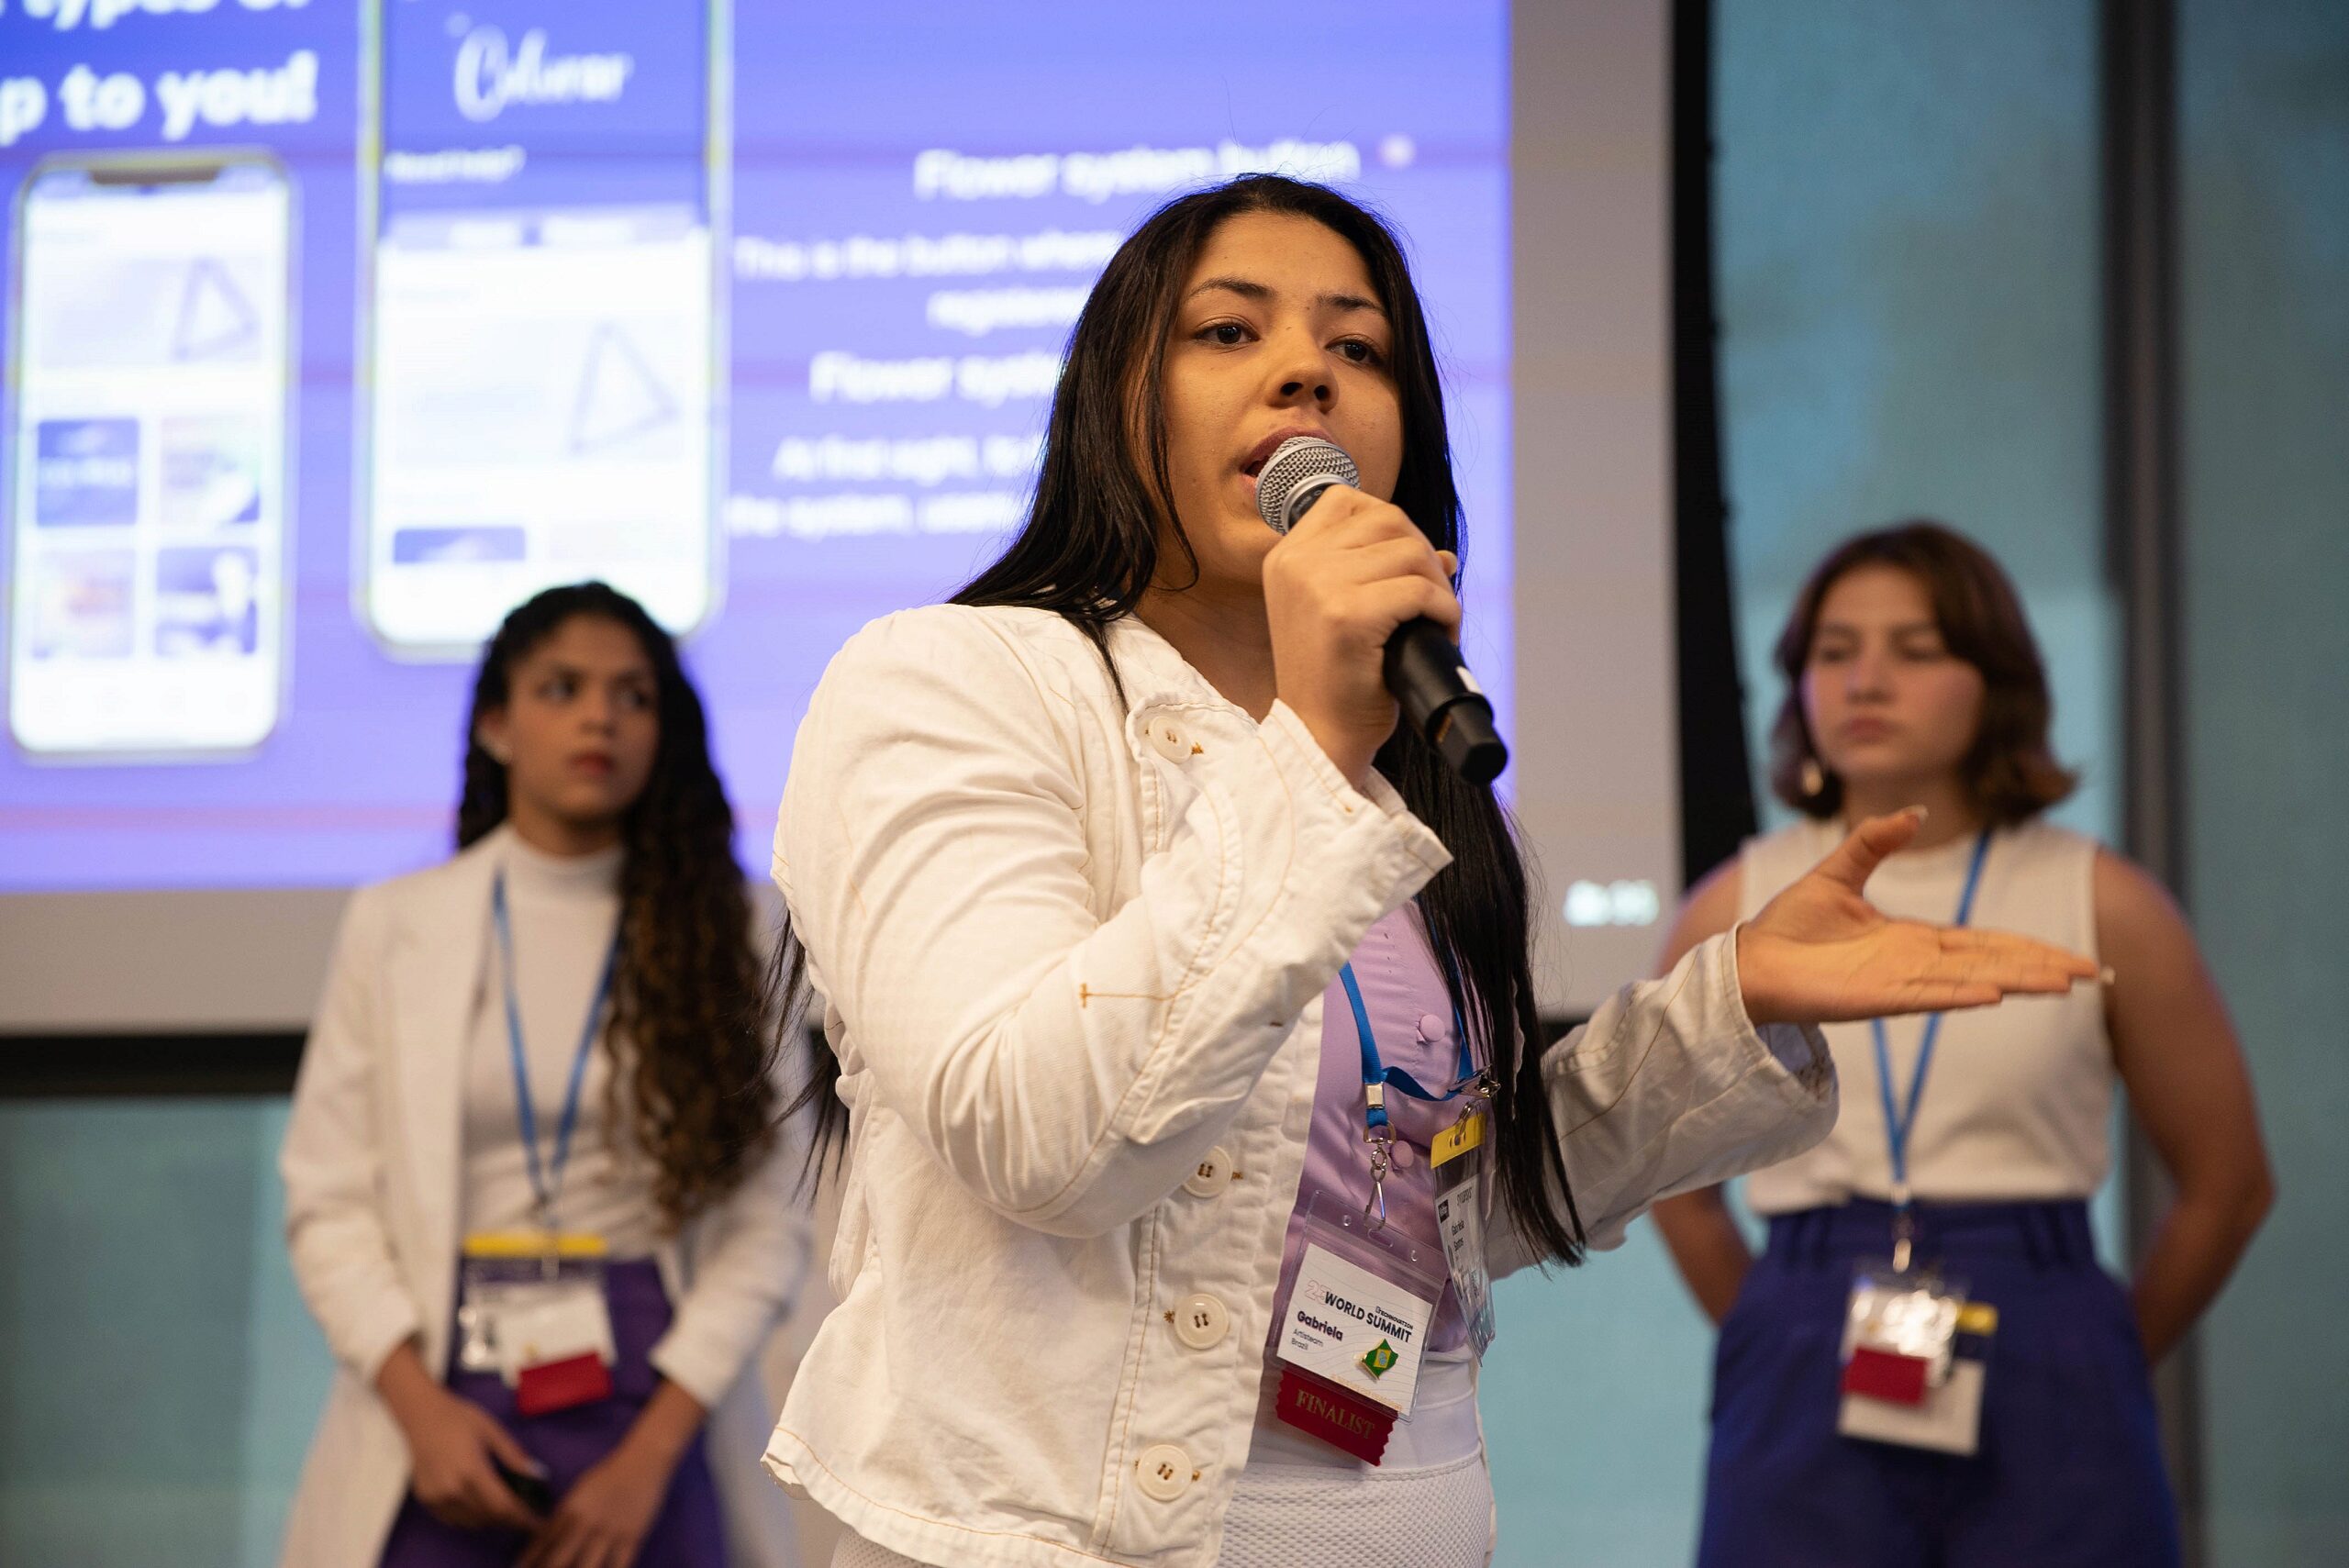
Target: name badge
<point x="1458" y="1159"/>
<point x="554" y="1347"/>
<point x="1348" y="1326"/>
<point x="1460" y="1224"/>
<point x="1915" y="1356"/>
<point x="531" y="1308"/>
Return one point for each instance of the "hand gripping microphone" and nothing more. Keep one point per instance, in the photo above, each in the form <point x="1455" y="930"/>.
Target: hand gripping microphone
<point x="1440" y="699"/>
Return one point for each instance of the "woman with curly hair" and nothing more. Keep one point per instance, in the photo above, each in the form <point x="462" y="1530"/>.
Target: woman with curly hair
<point x="509" y="1102"/>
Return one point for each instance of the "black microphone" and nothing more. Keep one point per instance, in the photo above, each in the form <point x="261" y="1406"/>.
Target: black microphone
<point x="1423" y="668"/>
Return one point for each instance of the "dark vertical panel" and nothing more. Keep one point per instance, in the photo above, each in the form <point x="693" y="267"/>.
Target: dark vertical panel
<point x="1716" y="780"/>
<point x="2141" y="512"/>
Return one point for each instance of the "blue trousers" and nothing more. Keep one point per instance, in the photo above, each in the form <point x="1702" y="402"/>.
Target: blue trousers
<point x="2068" y="1472"/>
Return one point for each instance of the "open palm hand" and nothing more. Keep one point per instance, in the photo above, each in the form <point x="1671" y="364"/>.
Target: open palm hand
<point x="1820" y="952"/>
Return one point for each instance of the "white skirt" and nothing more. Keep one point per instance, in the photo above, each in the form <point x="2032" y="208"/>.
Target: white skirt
<point x="1282" y="1516"/>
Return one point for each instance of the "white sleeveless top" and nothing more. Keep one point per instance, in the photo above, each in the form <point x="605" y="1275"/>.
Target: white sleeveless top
<point x="2019" y="1104"/>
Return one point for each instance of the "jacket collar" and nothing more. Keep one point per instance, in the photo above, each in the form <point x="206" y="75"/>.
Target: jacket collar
<point x="1155" y="675"/>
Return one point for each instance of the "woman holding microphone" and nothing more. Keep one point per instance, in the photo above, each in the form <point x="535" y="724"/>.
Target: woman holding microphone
<point x="1911" y="675"/>
<point x="532" y="1092"/>
<point x="1180" y="1032"/>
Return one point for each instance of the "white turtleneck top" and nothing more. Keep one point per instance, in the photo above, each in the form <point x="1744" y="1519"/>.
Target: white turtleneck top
<point x="564" y="911"/>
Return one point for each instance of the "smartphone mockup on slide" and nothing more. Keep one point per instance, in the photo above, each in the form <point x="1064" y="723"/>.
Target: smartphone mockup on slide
<point x="148" y="504"/>
<point x="543" y="344"/>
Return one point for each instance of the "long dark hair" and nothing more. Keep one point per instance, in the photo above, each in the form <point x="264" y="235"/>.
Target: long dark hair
<point x="1090" y="549"/>
<point x="686" y="993"/>
<point x="2010" y="774"/>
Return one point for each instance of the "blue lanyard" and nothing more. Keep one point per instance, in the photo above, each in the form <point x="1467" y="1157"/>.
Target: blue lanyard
<point x="1898" y="1125"/>
<point x="545" y="1180"/>
<point x="1378" y="1077"/>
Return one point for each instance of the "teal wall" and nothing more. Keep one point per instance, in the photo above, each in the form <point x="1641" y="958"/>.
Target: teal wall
<point x="2264" y="161"/>
<point x="159" y="1376"/>
<point x="1908" y="283"/>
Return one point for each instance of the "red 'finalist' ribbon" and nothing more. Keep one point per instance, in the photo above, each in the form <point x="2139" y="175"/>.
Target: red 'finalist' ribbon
<point x="1332" y="1414"/>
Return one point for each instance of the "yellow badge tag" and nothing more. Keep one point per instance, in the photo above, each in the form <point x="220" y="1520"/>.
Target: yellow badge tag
<point x="568" y="1244"/>
<point x="1978" y="1317"/>
<point x="1458" y="1139"/>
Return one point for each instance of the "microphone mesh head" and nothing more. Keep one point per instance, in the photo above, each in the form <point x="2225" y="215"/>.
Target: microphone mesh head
<point x="1283" y="492"/>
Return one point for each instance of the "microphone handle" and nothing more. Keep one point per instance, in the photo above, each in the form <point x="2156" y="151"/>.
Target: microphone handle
<point x="1442" y="700"/>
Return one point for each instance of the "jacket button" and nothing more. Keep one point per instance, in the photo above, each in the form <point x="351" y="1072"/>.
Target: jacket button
<point x="1165" y="1472"/>
<point x="1168" y="741"/>
<point x="1212" y="1175"/>
<point x="1201" y="1321"/>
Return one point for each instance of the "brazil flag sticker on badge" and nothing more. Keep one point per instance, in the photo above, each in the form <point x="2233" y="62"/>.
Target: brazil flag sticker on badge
<point x="1379" y="1359"/>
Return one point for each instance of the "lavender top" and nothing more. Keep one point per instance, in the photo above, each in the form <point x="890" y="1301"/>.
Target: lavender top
<point x="1410" y="1019"/>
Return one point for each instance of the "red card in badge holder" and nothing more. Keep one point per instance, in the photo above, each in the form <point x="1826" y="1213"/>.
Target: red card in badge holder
<point x="558" y="1385"/>
<point x="1898" y="1331"/>
<point x="1947" y="1416"/>
<point x="1336" y="1417"/>
<point x="1914" y="1349"/>
<point x="1881" y="1374"/>
<point x="555" y="1349"/>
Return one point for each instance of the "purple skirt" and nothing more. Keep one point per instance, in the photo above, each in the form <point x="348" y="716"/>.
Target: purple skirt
<point x="688" y="1531"/>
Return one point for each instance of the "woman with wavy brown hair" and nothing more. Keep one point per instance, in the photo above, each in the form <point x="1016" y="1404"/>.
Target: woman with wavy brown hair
<point x="1967" y="1146"/>
<point x="510" y="1101"/>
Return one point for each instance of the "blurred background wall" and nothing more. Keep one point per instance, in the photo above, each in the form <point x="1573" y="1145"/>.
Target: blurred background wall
<point x="2263" y="317"/>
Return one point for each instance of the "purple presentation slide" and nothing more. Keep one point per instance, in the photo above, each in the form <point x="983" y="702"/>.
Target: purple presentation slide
<point x="322" y="357"/>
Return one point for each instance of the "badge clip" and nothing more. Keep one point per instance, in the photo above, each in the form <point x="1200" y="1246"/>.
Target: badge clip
<point x="1903" y="1228"/>
<point x="1382" y="1141"/>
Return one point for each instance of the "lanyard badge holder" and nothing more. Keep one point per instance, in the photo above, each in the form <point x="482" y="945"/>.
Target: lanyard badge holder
<point x="1915" y="1349"/>
<point x="1456" y="1155"/>
<point x="1351" y="1328"/>
<point x="1353" y="1323"/>
<point x="1458" y="1158"/>
<point x="532" y="1306"/>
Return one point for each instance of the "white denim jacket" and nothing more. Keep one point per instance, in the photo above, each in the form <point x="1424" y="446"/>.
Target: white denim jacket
<point x="1071" y="949"/>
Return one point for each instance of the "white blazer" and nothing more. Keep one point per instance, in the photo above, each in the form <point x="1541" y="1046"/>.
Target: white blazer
<point x="371" y="1164"/>
<point x="1072" y="947"/>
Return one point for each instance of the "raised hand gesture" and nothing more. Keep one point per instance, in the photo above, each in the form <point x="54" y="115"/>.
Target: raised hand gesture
<point x="1820" y="952"/>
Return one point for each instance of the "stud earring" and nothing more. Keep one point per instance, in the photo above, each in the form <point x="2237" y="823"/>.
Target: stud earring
<point x="1814" y="779"/>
